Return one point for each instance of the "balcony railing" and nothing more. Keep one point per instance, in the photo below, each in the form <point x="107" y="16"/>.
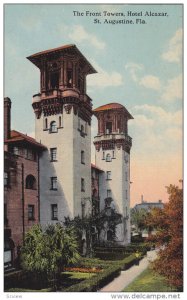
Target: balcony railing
<point x="113" y="136"/>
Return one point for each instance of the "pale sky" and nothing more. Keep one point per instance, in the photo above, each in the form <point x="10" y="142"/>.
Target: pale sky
<point x="139" y="66"/>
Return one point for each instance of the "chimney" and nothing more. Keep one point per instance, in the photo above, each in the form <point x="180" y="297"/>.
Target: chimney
<point x="7" y="118"/>
<point x="142" y="201"/>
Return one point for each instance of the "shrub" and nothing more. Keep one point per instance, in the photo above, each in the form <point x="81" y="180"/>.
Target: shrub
<point x="111" y="255"/>
<point x="97" y="282"/>
<point x="25" y="280"/>
<point x="107" y="275"/>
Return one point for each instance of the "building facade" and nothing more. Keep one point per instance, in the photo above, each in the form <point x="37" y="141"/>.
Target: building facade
<point x="21" y="186"/>
<point x="63" y="113"/>
<point x="52" y="177"/>
<point x="112" y="145"/>
<point x="146" y="205"/>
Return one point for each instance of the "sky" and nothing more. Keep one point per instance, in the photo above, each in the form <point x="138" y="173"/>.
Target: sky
<point x="139" y="65"/>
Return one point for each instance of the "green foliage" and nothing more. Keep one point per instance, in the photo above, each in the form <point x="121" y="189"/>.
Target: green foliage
<point x="169" y="237"/>
<point x="98" y="221"/>
<point x="48" y="251"/>
<point x="138" y="217"/>
<point x="95" y="283"/>
<point x="110" y="271"/>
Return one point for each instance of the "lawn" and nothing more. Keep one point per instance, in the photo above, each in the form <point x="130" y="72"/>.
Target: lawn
<point x="148" y="281"/>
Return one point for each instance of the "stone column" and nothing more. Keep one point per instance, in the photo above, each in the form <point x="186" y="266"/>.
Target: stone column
<point x="74" y="74"/>
<point x="61" y="81"/>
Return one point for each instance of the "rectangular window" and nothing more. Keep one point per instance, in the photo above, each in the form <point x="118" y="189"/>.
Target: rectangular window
<point x="109" y="194"/>
<point x="16" y="150"/>
<point x="6" y="181"/>
<point x="82" y="157"/>
<point x="54" y="212"/>
<point x="29" y="154"/>
<point x="103" y="155"/>
<point x="108" y="175"/>
<point x="126" y="176"/>
<point x="31" y="212"/>
<point x="60" y="121"/>
<point x="82" y="185"/>
<point x="54" y="183"/>
<point x="83" y="210"/>
<point x="53" y="154"/>
<point x="113" y="154"/>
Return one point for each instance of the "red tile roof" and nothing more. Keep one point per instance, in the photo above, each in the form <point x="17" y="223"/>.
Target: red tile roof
<point x="109" y="106"/>
<point x="94" y="167"/>
<point x="36" y="58"/>
<point x="113" y="106"/>
<point x="16" y="136"/>
<point x="52" y="50"/>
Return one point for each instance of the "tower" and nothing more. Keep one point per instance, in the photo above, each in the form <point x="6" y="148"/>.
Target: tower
<point x="62" y="123"/>
<point x="112" y="154"/>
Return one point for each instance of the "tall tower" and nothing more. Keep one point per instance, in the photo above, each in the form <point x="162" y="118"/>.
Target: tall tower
<point x="62" y="123"/>
<point x="112" y="154"/>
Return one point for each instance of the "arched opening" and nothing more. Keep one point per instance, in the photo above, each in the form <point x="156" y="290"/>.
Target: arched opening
<point x="108" y="127"/>
<point x="82" y="157"/>
<point x="109" y="235"/>
<point x="53" y="127"/>
<point x="108" y="157"/>
<point x="31" y="182"/>
<point x="54" y="79"/>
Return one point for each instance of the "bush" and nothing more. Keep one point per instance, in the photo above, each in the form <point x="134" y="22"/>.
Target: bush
<point x="97" y="282"/>
<point x="111" y="255"/>
<point x="106" y="276"/>
<point x="137" y="239"/>
<point x="25" y="280"/>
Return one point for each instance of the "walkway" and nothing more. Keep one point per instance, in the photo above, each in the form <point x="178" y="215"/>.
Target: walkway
<point x="126" y="277"/>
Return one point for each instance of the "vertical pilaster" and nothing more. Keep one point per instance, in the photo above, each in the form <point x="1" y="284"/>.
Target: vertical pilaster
<point x="61" y="81"/>
<point x="74" y="74"/>
<point x="65" y="73"/>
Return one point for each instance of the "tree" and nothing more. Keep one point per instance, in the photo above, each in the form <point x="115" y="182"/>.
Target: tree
<point x="138" y="217"/>
<point x="49" y="250"/>
<point x="88" y="223"/>
<point x="169" y="237"/>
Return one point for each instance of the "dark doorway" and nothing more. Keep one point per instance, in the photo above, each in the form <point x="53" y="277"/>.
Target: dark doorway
<point x="55" y="80"/>
<point x="108" y="127"/>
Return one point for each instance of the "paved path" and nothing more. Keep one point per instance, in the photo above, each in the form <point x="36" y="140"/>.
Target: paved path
<point x="126" y="277"/>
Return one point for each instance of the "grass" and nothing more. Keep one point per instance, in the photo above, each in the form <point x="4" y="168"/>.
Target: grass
<point x="78" y="275"/>
<point x="149" y="281"/>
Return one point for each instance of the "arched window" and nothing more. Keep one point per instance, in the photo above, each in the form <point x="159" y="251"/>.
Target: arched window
<point x="82" y="132"/>
<point x="54" y="78"/>
<point x="31" y="182"/>
<point x="109" y="235"/>
<point x="53" y="127"/>
<point x="108" y="157"/>
<point x="82" y="157"/>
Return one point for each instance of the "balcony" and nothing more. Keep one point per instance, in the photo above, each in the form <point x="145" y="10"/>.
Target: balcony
<point x="113" y="136"/>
